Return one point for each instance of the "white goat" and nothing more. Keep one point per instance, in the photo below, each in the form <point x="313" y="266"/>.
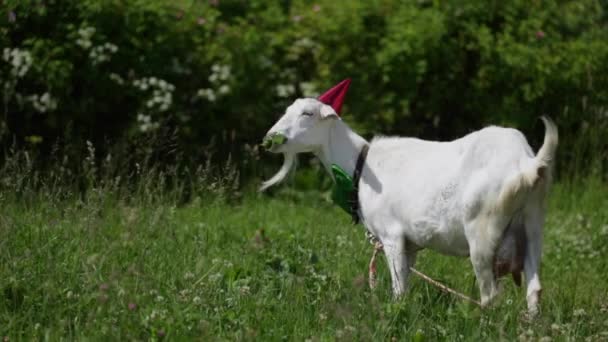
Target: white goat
<point x="459" y="198"/>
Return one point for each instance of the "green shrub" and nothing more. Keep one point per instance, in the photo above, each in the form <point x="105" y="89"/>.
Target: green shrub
<point x="110" y="70"/>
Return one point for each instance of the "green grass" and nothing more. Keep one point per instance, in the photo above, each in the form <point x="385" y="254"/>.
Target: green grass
<point x="108" y="268"/>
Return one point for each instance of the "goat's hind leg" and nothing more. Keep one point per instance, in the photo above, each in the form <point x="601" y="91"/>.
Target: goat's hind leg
<point x="482" y="241"/>
<point x="534" y="219"/>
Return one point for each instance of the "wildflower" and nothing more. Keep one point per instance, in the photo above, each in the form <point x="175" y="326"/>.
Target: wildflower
<point x="104" y="287"/>
<point x="579" y="312"/>
<point x="159" y="299"/>
<point x="244" y="290"/>
<point x="196" y="300"/>
<point x="132" y="306"/>
<point x="309" y="89"/>
<point x="44" y="103"/>
<point x="224" y="89"/>
<point x="103" y="298"/>
<point x="540" y="34"/>
<point x="12" y="17"/>
<point x="285" y="90"/>
<point x="296" y="18"/>
<point x="84" y="39"/>
<point x="215" y="277"/>
<point x="208" y="94"/>
<point x="116" y="78"/>
<point x="161" y="333"/>
<point x="214" y="2"/>
<point x="20" y="61"/>
<point x="201" y="21"/>
<point x="316" y="8"/>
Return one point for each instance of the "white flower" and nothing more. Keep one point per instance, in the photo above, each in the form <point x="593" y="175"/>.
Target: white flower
<point x="116" y="78"/>
<point x="196" y="300"/>
<point x="225" y="72"/>
<point x="224" y="89"/>
<point x="6" y="54"/>
<point x="285" y="90"/>
<point x="85" y="34"/>
<point x="43" y="103"/>
<point x="143" y="118"/>
<point x="208" y="94"/>
<point x="579" y="312"/>
<point x="309" y="89"/>
<point x="20" y="61"/>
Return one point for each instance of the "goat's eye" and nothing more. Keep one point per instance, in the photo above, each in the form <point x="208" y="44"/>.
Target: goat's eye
<point x="307" y="113"/>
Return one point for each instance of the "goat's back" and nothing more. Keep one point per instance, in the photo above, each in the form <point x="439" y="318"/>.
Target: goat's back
<point x="429" y="189"/>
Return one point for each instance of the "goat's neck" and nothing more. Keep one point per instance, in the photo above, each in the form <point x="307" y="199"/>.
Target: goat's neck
<point x="342" y="148"/>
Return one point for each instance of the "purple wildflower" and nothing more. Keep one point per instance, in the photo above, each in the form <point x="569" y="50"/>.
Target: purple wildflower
<point x="12" y="17"/>
<point x="540" y="34"/>
<point x="132" y="306"/>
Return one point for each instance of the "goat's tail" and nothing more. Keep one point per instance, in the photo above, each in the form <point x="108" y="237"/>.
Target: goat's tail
<point x="546" y="154"/>
<point x="538" y="169"/>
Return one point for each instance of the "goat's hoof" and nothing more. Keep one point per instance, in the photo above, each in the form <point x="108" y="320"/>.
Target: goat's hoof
<point x="530" y="315"/>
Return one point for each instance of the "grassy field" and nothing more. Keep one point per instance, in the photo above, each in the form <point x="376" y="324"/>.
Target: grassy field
<point x="117" y="267"/>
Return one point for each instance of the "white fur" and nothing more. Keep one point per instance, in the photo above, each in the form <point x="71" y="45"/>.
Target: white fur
<point x="454" y="197"/>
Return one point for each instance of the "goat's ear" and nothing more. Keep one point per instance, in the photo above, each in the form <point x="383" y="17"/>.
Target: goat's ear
<point x="328" y="112"/>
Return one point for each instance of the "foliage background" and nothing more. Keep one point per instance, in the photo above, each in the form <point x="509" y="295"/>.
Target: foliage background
<point x="128" y="136"/>
<point x="214" y="75"/>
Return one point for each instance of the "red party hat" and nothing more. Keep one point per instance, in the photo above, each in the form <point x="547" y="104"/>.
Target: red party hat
<point x="335" y="96"/>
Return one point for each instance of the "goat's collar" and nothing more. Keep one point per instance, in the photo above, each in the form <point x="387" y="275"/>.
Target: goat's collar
<point x="346" y="188"/>
<point x="354" y="210"/>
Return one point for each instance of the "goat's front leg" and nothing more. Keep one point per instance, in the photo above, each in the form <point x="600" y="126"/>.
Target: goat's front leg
<point x="397" y="259"/>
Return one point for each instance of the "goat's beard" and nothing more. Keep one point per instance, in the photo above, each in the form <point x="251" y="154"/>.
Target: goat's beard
<point x="288" y="162"/>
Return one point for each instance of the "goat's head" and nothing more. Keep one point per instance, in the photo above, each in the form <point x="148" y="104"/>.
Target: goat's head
<point x="304" y="127"/>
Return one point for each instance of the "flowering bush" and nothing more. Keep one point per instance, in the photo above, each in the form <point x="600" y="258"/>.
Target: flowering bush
<point x="114" y="69"/>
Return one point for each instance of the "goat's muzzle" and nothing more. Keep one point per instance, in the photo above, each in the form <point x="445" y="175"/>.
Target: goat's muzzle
<point x="273" y="140"/>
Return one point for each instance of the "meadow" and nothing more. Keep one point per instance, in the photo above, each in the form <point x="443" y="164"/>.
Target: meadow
<point x="129" y="165"/>
<point x="114" y="263"/>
